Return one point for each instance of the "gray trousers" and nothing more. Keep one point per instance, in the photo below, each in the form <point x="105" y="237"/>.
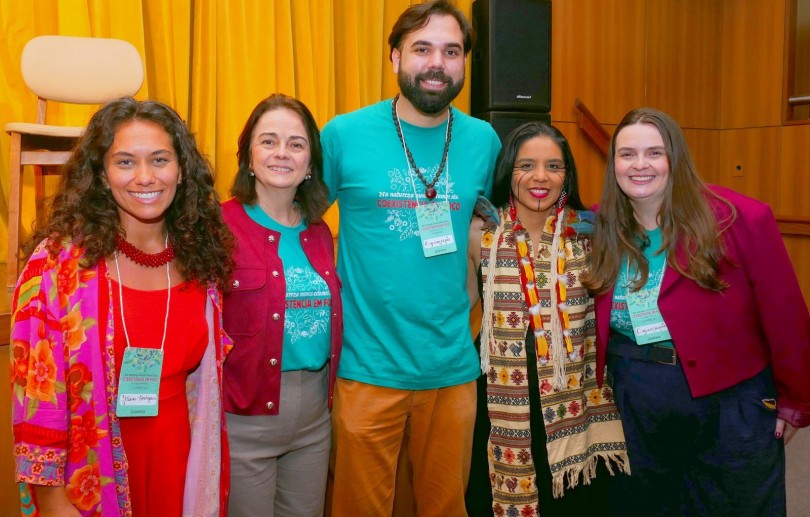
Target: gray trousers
<point x="279" y="463"/>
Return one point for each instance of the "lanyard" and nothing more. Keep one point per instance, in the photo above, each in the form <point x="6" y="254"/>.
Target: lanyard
<point x="410" y="168"/>
<point x="121" y="299"/>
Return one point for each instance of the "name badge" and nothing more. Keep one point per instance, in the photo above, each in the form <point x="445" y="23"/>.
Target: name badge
<point x="139" y="382"/>
<point x="435" y="228"/>
<point x="648" y="324"/>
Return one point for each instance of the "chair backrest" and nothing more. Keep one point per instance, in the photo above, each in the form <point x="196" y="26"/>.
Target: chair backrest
<point x="81" y="70"/>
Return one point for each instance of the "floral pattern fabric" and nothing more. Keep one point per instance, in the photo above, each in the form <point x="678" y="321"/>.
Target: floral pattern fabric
<point x="63" y="383"/>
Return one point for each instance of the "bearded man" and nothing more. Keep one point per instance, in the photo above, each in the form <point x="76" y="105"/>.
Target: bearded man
<point x="407" y="172"/>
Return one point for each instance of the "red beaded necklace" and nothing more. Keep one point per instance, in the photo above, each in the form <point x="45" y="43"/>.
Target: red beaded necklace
<point x="142" y="258"/>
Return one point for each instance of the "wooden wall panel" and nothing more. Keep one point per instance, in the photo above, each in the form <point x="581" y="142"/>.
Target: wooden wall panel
<point x="799" y="250"/>
<point x="597" y="54"/>
<point x="801" y="71"/>
<point x="756" y="150"/>
<point x="794" y="175"/>
<point x="683" y="60"/>
<point x="590" y="162"/>
<point x="703" y="144"/>
<point x="753" y="42"/>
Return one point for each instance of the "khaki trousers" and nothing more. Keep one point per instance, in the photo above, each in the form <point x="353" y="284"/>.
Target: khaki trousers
<point x="279" y="463"/>
<point x="369" y="423"/>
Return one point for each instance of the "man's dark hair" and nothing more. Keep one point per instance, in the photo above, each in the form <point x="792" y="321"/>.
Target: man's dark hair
<point x="418" y="15"/>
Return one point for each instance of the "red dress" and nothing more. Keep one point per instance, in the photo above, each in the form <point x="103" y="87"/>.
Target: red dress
<point x="157" y="447"/>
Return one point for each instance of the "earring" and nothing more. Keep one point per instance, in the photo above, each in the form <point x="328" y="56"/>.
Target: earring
<point x="308" y="177"/>
<point x="250" y="172"/>
<point x="562" y="199"/>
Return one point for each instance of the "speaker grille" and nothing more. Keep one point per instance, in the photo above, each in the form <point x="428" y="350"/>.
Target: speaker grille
<point x="511" y="60"/>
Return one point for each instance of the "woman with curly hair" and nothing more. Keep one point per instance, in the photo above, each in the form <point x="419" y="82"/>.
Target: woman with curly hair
<point x="283" y="310"/>
<point x="543" y="425"/>
<point x="116" y="335"/>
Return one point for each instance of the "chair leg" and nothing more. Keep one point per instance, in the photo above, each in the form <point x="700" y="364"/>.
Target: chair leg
<point x="14" y="205"/>
<point x="39" y="193"/>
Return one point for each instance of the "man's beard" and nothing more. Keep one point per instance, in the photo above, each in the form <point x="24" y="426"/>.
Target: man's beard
<point x="427" y="101"/>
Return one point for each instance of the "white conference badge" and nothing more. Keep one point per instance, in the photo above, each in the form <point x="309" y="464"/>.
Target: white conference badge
<point x="648" y="324"/>
<point x="139" y="382"/>
<point x="435" y="228"/>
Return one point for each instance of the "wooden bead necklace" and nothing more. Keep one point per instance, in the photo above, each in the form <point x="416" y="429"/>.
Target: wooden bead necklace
<point x="430" y="190"/>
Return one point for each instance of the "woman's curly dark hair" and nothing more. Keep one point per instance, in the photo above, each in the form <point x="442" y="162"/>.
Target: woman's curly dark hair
<point x="85" y="211"/>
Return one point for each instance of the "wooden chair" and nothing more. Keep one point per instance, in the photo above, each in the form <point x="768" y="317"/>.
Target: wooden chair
<point x="63" y="69"/>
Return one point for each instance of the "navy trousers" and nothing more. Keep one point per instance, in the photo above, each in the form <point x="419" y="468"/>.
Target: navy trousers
<point x="708" y="456"/>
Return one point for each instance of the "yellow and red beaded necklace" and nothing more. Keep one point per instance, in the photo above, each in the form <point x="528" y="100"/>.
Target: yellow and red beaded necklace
<point x="528" y="281"/>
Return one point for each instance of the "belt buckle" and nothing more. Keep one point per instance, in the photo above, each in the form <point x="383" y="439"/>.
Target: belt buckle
<point x="673" y="361"/>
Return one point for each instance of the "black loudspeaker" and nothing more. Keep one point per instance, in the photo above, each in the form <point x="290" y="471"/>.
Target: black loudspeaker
<point x="503" y="122"/>
<point x="511" y="59"/>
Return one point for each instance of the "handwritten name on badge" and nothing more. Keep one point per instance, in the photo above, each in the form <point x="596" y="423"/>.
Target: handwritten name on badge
<point x="651" y="329"/>
<point x="438" y="241"/>
<point x="140" y="399"/>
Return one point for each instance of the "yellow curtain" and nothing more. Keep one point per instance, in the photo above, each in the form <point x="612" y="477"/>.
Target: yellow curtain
<point x="213" y="60"/>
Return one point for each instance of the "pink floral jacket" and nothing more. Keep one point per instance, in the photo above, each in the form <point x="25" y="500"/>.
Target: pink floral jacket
<point x="64" y="383"/>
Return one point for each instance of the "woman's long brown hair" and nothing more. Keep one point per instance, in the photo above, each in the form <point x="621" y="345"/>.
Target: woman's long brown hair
<point x="688" y="223"/>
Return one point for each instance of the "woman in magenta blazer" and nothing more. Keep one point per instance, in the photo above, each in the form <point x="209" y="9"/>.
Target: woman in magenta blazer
<point x="282" y="307"/>
<point x="702" y="326"/>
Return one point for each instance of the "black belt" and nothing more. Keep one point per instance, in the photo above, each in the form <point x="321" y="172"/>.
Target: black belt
<point x="623" y="346"/>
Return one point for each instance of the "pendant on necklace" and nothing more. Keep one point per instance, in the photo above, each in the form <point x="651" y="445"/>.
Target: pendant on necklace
<point x="430" y="192"/>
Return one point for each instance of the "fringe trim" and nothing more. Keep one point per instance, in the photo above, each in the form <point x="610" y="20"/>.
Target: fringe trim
<point x="569" y="477"/>
<point x="487" y="337"/>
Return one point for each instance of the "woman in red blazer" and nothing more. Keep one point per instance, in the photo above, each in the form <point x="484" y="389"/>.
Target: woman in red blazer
<point x="283" y="309"/>
<point x="702" y="326"/>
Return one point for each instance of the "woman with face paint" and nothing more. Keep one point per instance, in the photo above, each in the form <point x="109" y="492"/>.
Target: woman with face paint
<point x="543" y="426"/>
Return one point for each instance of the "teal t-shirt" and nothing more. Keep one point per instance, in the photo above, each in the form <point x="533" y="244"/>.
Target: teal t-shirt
<point x="307" y="331"/>
<point x="619" y="315"/>
<point x="406" y="317"/>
